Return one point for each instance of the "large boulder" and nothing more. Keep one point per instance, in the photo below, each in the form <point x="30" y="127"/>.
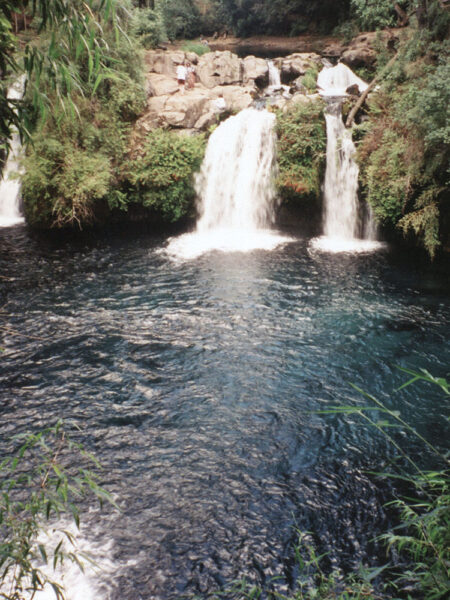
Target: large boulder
<point x="163" y="62"/>
<point x="184" y="110"/>
<point x="219" y="68"/>
<point x="361" y="50"/>
<point x="236" y="97"/>
<point x="161" y="85"/>
<point x="254" y="70"/>
<point x="297" y="64"/>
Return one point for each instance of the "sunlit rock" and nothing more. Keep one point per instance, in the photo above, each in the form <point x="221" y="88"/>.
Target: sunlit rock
<point x="219" y="68"/>
<point x="254" y="69"/>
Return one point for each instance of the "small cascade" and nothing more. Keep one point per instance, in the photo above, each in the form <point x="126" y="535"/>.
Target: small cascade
<point x="345" y="229"/>
<point x="274" y="75"/>
<point x="334" y="81"/>
<point x="10" y="213"/>
<point x="236" y="194"/>
<point x="275" y="89"/>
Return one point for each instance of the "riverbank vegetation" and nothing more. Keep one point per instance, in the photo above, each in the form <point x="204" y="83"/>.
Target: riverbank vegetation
<point x="301" y="150"/>
<point x="404" y="149"/>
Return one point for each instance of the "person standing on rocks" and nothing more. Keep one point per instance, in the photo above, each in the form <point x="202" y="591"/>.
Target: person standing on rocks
<point x="190" y="78"/>
<point x="181" y="77"/>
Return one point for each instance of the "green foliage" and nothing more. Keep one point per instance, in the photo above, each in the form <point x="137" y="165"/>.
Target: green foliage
<point x="309" y="79"/>
<point x="301" y="151"/>
<point x="77" y="29"/>
<point x="72" y="166"/>
<point x="149" y="27"/>
<point x="346" y="30"/>
<point x="74" y="163"/>
<point x="39" y="485"/>
<point x="181" y="18"/>
<point x="404" y="151"/>
<point x="271" y="17"/>
<point x="373" y="14"/>
<point x="198" y="48"/>
<point x="162" y="176"/>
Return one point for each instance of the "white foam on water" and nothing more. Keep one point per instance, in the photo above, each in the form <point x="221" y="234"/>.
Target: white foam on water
<point x="351" y="245"/>
<point x="235" y="189"/>
<point x="93" y="583"/>
<point x="193" y="245"/>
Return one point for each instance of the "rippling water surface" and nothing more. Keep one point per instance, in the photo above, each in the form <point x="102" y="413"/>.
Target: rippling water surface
<point x="195" y="382"/>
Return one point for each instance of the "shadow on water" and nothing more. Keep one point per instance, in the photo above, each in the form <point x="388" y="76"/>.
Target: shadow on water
<point x="196" y="383"/>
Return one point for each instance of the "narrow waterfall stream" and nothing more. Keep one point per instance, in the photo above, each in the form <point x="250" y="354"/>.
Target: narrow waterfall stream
<point x="236" y="194"/>
<point x="345" y="227"/>
<point x="274" y="75"/>
<point x="10" y="213"/>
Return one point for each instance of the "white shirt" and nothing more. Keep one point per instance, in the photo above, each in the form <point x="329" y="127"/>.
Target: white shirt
<point x="181" y="72"/>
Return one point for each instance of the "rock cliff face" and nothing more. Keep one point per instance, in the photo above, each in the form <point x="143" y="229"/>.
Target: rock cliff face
<point x="238" y="80"/>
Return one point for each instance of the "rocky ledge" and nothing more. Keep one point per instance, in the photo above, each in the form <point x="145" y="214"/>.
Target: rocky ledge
<point x="239" y="80"/>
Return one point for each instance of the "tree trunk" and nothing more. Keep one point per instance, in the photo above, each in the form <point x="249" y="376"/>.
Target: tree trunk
<point x="403" y="18"/>
<point x="362" y="98"/>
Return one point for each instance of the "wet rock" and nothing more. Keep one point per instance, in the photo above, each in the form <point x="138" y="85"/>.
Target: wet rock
<point x="361" y="50"/>
<point x="297" y="64"/>
<point x="353" y="90"/>
<point x="300" y="98"/>
<point x="206" y="120"/>
<point x="184" y="110"/>
<point x="297" y="86"/>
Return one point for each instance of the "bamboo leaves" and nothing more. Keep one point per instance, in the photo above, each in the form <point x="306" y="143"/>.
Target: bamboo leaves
<point x="39" y="485"/>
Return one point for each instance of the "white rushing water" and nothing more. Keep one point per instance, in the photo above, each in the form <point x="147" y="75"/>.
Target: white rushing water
<point x="344" y="228"/>
<point x="91" y="583"/>
<point x="10" y="184"/>
<point x="274" y="75"/>
<point x="235" y="187"/>
<point x="334" y="81"/>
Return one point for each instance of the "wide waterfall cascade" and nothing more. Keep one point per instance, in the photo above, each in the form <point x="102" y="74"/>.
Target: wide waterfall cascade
<point x="10" y="185"/>
<point x="345" y="229"/>
<point x="235" y="188"/>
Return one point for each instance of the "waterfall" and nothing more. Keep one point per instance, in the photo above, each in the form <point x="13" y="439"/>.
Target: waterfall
<point x="334" y="81"/>
<point x="9" y="186"/>
<point x="274" y="75"/>
<point x="235" y="183"/>
<point x="341" y="178"/>
<point x="235" y="189"/>
<point x="344" y="228"/>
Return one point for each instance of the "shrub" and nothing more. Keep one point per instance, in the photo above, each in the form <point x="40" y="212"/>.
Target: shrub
<point x="309" y="79"/>
<point x="198" y="48"/>
<point x="162" y="176"/>
<point x="148" y="26"/>
<point x="373" y="14"/>
<point x="405" y="147"/>
<point x="301" y="150"/>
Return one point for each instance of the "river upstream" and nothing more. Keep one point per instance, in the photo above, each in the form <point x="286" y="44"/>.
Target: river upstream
<point x="196" y="382"/>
